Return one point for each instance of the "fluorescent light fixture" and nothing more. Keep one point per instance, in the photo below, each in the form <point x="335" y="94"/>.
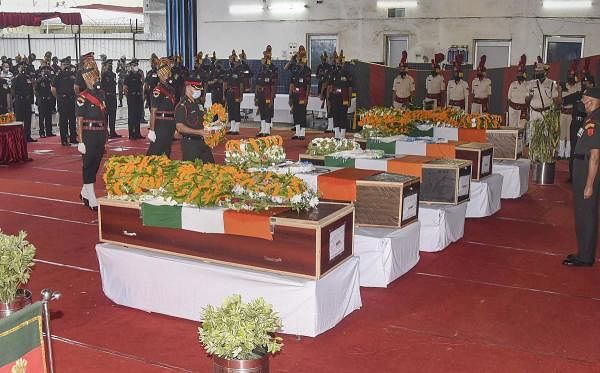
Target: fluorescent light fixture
<point x="397" y="4"/>
<point x="287" y="7"/>
<point x="563" y="4"/>
<point x="246" y="9"/>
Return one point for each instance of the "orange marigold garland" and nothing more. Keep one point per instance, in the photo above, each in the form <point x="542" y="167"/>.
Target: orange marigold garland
<point x="7" y="118"/>
<point x="215" y="128"/>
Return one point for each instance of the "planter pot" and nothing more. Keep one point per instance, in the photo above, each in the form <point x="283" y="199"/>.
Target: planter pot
<point x="22" y="299"/>
<point x="241" y="366"/>
<point x="543" y="173"/>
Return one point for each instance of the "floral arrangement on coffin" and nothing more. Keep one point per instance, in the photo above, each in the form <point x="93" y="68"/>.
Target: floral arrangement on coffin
<point x="214" y="125"/>
<point x="7" y="118"/>
<point x="325" y="146"/>
<point x="255" y="153"/>
<point x="383" y="122"/>
<point x="359" y="154"/>
<point x="138" y="178"/>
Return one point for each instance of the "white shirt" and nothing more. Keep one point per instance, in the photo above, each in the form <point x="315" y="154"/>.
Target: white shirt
<point x="403" y="87"/>
<point x="548" y="90"/>
<point x="482" y="88"/>
<point x="435" y="84"/>
<point x="457" y="91"/>
<point x="518" y="92"/>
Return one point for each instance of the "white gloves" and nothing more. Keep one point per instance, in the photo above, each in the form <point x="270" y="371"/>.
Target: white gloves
<point x="151" y="136"/>
<point x="81" y="147"/>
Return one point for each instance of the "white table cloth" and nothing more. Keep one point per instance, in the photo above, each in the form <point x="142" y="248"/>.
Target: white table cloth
<point x="441" y="225"/>
<point x="485" y="196"/>
<point x="180" y="287"/>
<point x="386" y="253"/>
<point x="515" y="182"/>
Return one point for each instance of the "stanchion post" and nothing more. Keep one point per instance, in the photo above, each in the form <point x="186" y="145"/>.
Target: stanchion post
<point x="47" y="296"/>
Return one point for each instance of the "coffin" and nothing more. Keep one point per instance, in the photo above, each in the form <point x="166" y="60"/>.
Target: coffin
<point x="508" y="142"/>
<point x="317" y="160"/>
<point x="480" y="156"/>
<point x="381" y="199"/>
<point x="307" y="244"/>
<point x="446" y="181"/>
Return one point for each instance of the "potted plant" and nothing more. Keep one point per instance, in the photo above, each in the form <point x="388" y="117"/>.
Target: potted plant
<point x="16" y="260"/>
<point x="542" y="147"/>
<point x="239" y="335"/>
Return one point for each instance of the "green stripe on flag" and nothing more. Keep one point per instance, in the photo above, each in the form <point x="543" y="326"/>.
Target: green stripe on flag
<point x="387" y="147"/>
<point x="161" y="216"/>
<point x="20" y="333"/>
<point x="339" y="162"/>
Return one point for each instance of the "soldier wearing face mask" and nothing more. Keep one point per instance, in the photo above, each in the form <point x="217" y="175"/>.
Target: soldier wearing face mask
<point x="246" y="72"/>
<point x="43" y="94"/>
<point x="404" y="85"/>
<point x="215" y="81"/>
<point x="122" y="70"/>
<point x="22" y="88"/>
<point x="234" y="89"/>
<point x="482" y="89"/>
<point x="133" y="87"/>
<point x="189" y="115"/>
<point x="339" y="94"/>
<point x="265" y="90"/>
<point x="151" y="81"/>
<point x="572" y="85"/>
<point x="435" y="86"/>
<point x="518" y="95"/>
<point x="299" y="92"/>
<point x="458" y="90"/>
<point x="162" y="114"/>
<point x="108" y="83"/>
<point x="63" y="90"/>
<point x="542" y="91"/>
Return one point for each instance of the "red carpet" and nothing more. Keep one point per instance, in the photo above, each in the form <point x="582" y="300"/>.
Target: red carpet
<point x="497" y="301"/>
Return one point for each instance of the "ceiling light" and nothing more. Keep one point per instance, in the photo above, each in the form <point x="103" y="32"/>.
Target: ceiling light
<point x="561" y="4"/>
<point x="245" y="9"/>
<point x="287" y="7"/>
<point x="397" y="4"/>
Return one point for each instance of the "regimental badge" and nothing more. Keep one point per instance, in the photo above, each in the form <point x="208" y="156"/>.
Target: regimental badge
<point x="590" y="128"/>
<point x="156" y="93"/>
<point x="80" y="101"/>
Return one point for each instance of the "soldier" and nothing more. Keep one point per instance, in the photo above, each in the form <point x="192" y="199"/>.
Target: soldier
<point x="198" y="64"/>
<point x="234" y="89"/>
<point x="22" y="89"/>
<point x="103" y="59"/>
<point x="189" y="115"/>
<point x="404" y="85"/>
<point x="339" y="94"/>
<point x="179" y="74"/>
<point x="266" y="88"/>
<point x="6" y="74"/>
<point x="518" y="96"/>
<point x="586" y="183"/>
<point x="435" y="85"/>
<point x="79" y="81"/>
<point x="132" y="88"/>
<point x="481" y="89"/>
<point x="122" y="70"/>
<point x="151" y="81"/>
<point x="246" y="72"/>
<point x="63" y="90"/>
<point x="322" y="74"/>
<point x="47" y="58"/>
<point x="572" y="85"/>
<point x="215" y="81"/>
<point x="162" y="114"/>
<point x="55" y="66"/>
<point x="91" y="131"/>
<point x="458" y="90"/>
<point x="43" y="94"/>
<point x="299" y="92"/>
<point x="542" y="91"/>
<point x="30" y="69"/>
<point x="108" y="83"/>
<point x="5" y="96"/>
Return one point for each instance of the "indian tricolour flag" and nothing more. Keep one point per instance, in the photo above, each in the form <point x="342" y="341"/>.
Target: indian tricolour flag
<point x="21" y="341"/>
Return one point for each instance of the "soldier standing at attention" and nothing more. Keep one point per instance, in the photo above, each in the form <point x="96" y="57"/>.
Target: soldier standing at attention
<point x="458" y="90"/>
<point x="543" y="92"/>
<point x="162" y="114"/>
<point x="91" y="130"/>
<point x="266" y="88"/>
<point x="22" y="88"/>
<point x="108" y="83"/>
<point x="179" y="74"/>
<point x="79" y="81"/>
<point x="132" y="87"/>
<point x="122" y="70"/>
<point x="482" y="89"/>
<point x="63" y="90"/>
<point x="5" y="96"/>
<point x="572" y="85"/>
<point x="151" y="81"/>
<point x="234" y="89"/>
<point x="246" y="72"/>
<point x="339" y="94"/>
<point x="299" y="92"/>
<point x="189" y="115"/>
<point x="586" y="183"/>
<point x="518" y="95"/>
<point x="215" y="81"/>
<point x="404" y="85"/>
<point x="323" y="71"/>
<point x="43" y="94"/>
<point x="435" y="84"/>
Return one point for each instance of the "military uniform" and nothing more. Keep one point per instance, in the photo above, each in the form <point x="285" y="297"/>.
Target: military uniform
<point x="245" y="72"/>
<point x="543" y="91"/>
<point x="566" y="116"/>
<point x="180" y="73"/>
<point x="163" y="105"/>
<point x="457" y="90"/>
<point x="133" y="87"/>
<point x="149" y="84"/>
<point x="190" y="114"/>
<point x="340" y="96"/>
<point x="215" y="83"/>
<point x="65" y="98"/>
<point x="299" y="92"/>
<point x="265" y="91"/>
<point x="44" y="100"/>
<point x="108" y="83"/>
<point x="234" y="90"/>
<point x="481" y="89"/>
<point x="122" y="70"/>
<point x="435" y="84"/>
<point x="403" y="86"/>
<point x="22" y="86"/>
<point x="5" y="97"/>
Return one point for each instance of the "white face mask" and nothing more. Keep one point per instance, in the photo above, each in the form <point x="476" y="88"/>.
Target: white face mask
<point x="135" y="69"/>
<point x="196" y="94"/>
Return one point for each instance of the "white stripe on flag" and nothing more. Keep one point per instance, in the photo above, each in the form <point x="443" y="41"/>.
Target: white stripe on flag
<point x="205" y="220"/>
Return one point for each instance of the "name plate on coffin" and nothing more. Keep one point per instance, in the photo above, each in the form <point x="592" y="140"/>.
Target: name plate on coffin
<point x="301" y="242"/>
<point x="480" y="155"/>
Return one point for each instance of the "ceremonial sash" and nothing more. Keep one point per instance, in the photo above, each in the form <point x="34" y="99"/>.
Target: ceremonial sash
<point x="167" y="93"/>
<point x="95" y="101"/>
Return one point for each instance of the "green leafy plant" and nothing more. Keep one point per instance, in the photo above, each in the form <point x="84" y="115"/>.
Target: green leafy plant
<point x="545" y="137"/>
<point x="240" y="331"/>
<point x="16" y="260"/>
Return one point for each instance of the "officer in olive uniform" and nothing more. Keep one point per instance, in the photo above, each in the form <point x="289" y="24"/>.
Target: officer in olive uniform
<point x="133" y="89"/>
<point x="63" y="90"/>
<point x="189" y="115"/>
<point x="122" y="70"/>
<point x="299" y="92"/>
<point x="586" y="182"/>
<point x="108" y="83"/>
<point x="215" y="81"/>
<point x="234" y="89"/>
<point x="44" y="100"/>
<point x="92" y="131"/>
<point x="151" y="81"/>
<point x="162" y="114"/>
<point x="22" y="87"/>
<point x="265" y="90"/>
<point x="339" y="94"/>
<point x="79" y="81"/>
